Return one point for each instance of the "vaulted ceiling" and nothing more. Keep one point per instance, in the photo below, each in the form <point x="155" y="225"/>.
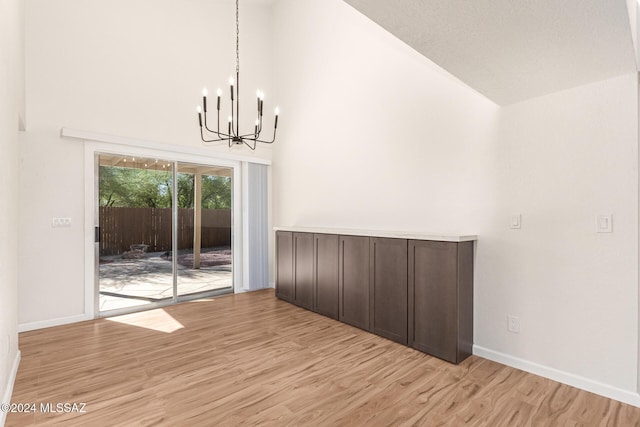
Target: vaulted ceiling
<point x="512" y="50"/>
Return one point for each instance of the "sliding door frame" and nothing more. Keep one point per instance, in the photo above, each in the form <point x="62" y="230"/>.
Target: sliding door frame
<point x="174" y="154"/>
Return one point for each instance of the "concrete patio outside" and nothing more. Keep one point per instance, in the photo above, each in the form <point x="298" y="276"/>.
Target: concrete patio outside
<point x="134" y="282"/>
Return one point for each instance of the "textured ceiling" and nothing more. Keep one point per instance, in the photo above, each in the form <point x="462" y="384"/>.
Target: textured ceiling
<point x="512" y="50"/>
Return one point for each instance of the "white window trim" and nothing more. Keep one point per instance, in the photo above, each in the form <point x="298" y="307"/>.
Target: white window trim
<point x="95" y="143"/>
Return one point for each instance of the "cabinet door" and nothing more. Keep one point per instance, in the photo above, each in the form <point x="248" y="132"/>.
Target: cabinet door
<point x="326" y="274"/>
<point x="284" y="265"/>
<point x="465" y="300"/>
<point x="388" y="293"/>
<point x="354" y="281"/>
<point x="433" y="308"/>
<point x="303" y="269"/>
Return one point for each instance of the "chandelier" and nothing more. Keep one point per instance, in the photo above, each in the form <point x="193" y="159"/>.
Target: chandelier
<point x="233" y="135"/>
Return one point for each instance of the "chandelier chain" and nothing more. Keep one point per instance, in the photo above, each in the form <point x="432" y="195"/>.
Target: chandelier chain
<point x="237" y="36"/>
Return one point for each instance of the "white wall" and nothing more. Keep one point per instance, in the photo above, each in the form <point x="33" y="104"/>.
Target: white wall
<point x="376" y="136"/>
<point x="560" y="160"/>
<point x="132" y="68"/>
<point x="11" y="102"/>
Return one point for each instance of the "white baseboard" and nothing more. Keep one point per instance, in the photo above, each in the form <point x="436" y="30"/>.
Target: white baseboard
<point x="242" y="291"/>
<point x="606" y="390"/>
<point x="9" y="386"/>
<point x="24" y="327"/>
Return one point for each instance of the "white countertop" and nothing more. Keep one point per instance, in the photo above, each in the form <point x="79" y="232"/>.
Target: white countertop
<point x="382" y="233"/>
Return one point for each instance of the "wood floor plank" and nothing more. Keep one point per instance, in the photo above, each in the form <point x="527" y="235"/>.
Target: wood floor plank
<point x="250" y="359"/>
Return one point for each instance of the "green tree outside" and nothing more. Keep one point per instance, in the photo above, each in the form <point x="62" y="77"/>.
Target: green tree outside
<point x="144" y="188"/>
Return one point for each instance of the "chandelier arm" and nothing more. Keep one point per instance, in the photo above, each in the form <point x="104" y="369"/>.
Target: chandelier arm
<point x="232" y="130"/>
<point x="272" y="139"/>
<point x="253" y="147"/>
<point x="221" y="136"/>
<point x="266" y="142"/>
<point x="214" y="140"/>
<point x="218" y="131"/>
<point x="207" y="127"/>
<point x="251" y="135"/>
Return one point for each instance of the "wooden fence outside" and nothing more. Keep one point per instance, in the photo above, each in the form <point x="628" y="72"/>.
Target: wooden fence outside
<point x="122" y="227"/>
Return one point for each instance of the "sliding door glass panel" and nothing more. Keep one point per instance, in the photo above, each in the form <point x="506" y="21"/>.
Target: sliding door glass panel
<point x="135" y="217"/>
<point x="204" y="229"/>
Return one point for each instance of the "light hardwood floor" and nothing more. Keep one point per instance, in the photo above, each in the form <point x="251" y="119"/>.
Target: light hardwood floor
<point x="251" y="359"/>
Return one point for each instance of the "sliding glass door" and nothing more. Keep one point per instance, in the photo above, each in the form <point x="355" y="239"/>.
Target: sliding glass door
<point x="164" y="232"/>
<point x="204" y="228"/>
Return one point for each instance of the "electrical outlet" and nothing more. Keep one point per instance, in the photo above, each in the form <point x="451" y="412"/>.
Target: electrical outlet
<point x="60" y="222"/>
<point x="513" y="324"/>
<point x="515" y="221"/>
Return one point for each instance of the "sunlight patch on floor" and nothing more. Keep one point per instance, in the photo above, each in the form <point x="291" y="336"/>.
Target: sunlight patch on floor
<point x="157" y="320"/>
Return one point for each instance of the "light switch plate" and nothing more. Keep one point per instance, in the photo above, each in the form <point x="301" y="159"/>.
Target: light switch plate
<point x="60" y="222"/>
<point x="605" y="223"/>
<point x="515" y="221"/>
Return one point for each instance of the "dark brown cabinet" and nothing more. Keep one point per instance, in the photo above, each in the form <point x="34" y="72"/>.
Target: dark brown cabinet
<point x="441" y="298"/>
<point x="354" y="281"/>
<point x="415" y="292"/>
<point x="326" y="274"/>
<point x="388" y="288"/>
<point x="284" y="266"/>
<point x="303" y="270"/>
